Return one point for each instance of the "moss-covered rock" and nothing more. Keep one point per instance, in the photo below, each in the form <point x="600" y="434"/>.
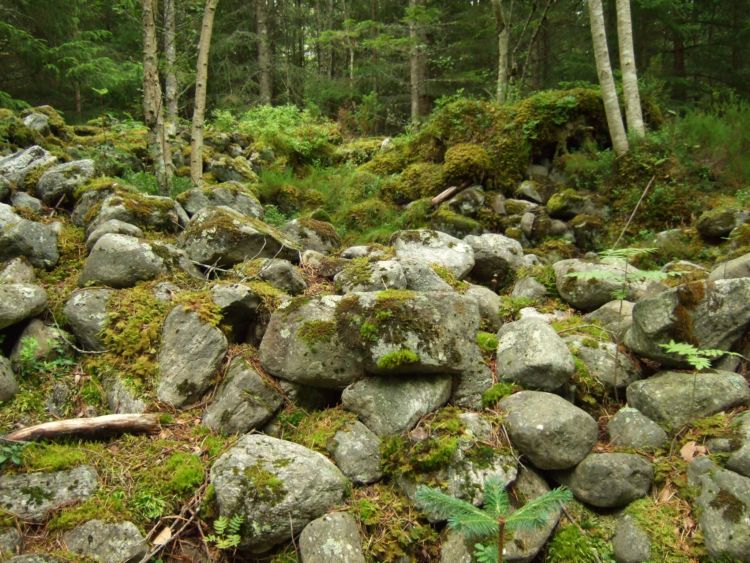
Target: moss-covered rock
<point x="466" y="163"/>
<point x="448" y="221"/>
<point x="419" y="180"/>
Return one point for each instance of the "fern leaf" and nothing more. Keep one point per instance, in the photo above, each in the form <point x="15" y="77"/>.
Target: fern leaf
<point x="535" y="512"/>
<point x="496" y="500"/>
<point x="626" y="252"/>
<point x="235" y="523"/>
<point x="462" y="516"/>
<point x="485" y="553"/>
<point x="220" y="525"/>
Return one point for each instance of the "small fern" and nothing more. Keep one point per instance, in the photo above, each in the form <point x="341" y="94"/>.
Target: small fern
<point x="698" y="358"/>
<point x="226" y="532"/>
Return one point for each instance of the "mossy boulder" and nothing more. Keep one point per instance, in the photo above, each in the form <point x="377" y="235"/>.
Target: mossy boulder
<point x="145" y="211"/>
<point x="228" y="169"/>
<point x="86" y="314"/>
<point x="15" y="168"/>
<point x="567" y="204"/>
<point x="312" y="234"/>
<point x="719" y="222"/>
<point x="369" y="213"/>
<point x="60" y="181"/>
<point x="107" y="542"/>
<point x="419" y="180"/>
<point x="363" y="275"/>
<point x="20" y="301"/>
<point x="434" y="247"/>
<point x="19" y="237"/>
<point x="466" y="163"/>
<point x="236" y="195"/>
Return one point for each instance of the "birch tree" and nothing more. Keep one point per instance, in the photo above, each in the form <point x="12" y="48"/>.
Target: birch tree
<point x="265" y="84"/>
<point x="416" y="61"/>
<point x="201" y="84"/>
<point x="606" y="79"/>
<point x="170" y="73"/>
<point x="633" y="112"/>
<point x="502" y="22"/>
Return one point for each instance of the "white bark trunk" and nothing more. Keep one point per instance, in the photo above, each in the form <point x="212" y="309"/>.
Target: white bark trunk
<point x="201" y="86"/>
<point x="633" y="111"/>
<point x="606" y="80"/>
<point x="416" y="66"/>
<point x="170" y="78"/>
<point x="264" y="52"/>
<point x="503" y="52"/>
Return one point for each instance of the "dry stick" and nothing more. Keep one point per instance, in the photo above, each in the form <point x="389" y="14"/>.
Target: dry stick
<point x="635" y="210"/>
<point x="107" y="424"/>
<point x="61" y="334"/>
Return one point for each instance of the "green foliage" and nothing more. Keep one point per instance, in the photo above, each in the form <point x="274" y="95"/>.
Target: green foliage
<point x="149" y="505"/>
<point x="487" y="341"/>
<point x="698" y="358"/>
<point x="146" y="183"/>
<point x="497" y="392"/>
<point x="226" y="532"/>
<point x="11" y="452"/>
<point x="32" y="364"/>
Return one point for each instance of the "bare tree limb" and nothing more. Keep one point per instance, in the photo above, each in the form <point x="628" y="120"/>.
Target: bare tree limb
<point x="99" y="425"/>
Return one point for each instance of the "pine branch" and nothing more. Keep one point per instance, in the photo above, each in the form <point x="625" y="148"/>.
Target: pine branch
<point x="535" y="512"/>
<point x="462" y="516"/>
<point x="496" y="500"/>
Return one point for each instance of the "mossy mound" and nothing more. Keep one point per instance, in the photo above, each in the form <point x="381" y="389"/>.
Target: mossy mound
<point x="14" y="134"/>
<point x="420" y="180"/>
<point x="466" y="163"/>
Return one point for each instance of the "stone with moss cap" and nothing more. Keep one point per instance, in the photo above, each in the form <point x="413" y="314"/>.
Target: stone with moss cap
<point x="361" y="274"/>
<point x="230" y="194"/>
<point x="149" y="212"/>
<point x="277" y="486"/>
<point x="61" y="180"/>
<point x="21" y="237"/>
<point x="434" y="247"/>
<point x="312" y="234"/>
<point x="333" y="538"/>
<point x="222" y="236"/>
<point x="16" y="167"/>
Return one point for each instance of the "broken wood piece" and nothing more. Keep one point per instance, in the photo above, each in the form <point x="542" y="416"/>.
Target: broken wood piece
<point x="445" y="194"/>
<point x="99" y="425"/>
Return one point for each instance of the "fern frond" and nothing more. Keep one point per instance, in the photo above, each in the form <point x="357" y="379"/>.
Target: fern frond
<point x="462" y="516"/>
<point x="595" y="275"/>
<point x="496" y="500"/>
<point x="235" y="523"/>
<point x="220" y="525"/>
<point x="534" y="513"/>
<point x="626" y="252"/>
<point x="485" y="553"/>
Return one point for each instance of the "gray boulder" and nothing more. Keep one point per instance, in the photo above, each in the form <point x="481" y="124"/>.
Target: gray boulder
<point x="549" y="430"/>
<point x="229" y="194"/>
<point x="244" y="401"/>
<point x="489" y="304"/>
<point x="361" y="275"/>
<point x="26" y="203"/>
<point x="61" y="180"/>
<point x="631" y="429"/>
<point x="312" y="234"/>
<point x="603" y="361"/>
<point x="121" y="399"/>
<point x="630" y="543"/>
<point x="455" y="548"/>
<point x="20" y="301"/>
<point x="148" y="212"/>
<point x="191" y="353"/>
<point x="530" y="353"/>
<point x="737" y="268"/>
<point x="113" y="226"/>
<point x="739" y="460"/>
<point x="283" y="275"/>
<point x="17" y="270"/>
<point x="223" y="237"/>
<point x="17" y="166"/>
<point x="496" y="258"/>
<point x="10" y="542"/>
<point x="719" y="222"/>
<point x="609" y="479"/>
<point x="421" y="277"/>
<point x="121" y="261"/>
<point x="433" y="247"/>
<point x="37" y="121"/>
<point x="356" y="451"/>
<point x="468" y="201"/>
<point x="674" y="398"/>
<point x="21" y="237"/>
<point x="8" y="384"/>
<point x="529" y="288"/>
<point x="86" y="313"/>
<point x="242" y="309"/>
<point x="32" y="496"/>
<point x="277" y="486"/>
<point x="107" y="542"/>
<point x="35" y="558"/>
<point x="333" y="538"/>
<point x="615" y="316"/>
<point x="388" y="406"/>
<point x="51" y="343"/>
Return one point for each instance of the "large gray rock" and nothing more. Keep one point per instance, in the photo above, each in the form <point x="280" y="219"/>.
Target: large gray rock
<point x="496" y="258"/>
<point x="631" y="429"/>
<point x="737" y="268"/>
<point x="10" y="542"/>
<point x="121" y="399"/>
<point x="739" y="460"/>
<point x="223" y="237"/>
<point x="17" y="166"/>
<point x="20" y="301"/>
<point x="302" y="344"/>
<point x="37" y="121"/>
<point x="119" y="542"/>
<point x="630" y="543"/>
<point x="283" y="275"/>
<point x="148" y="212"/>
<point x="530" y="353"/>
<point x="370" y="276"/>
<point x="422" y="277"/>
<point x="549" y="430"/>
<point x="719" y="222"/>
<point x="113" y="226"/>
<point x="674" y="398"/>
<point x="86" y="313"/>
<point x="529" y="288"/>
<point x="21" y="237"/>
<point x="52" y="343"/>
<point x="21" y="201"/>
<point x="191" y="353"/>
<point x="333" y="538"/>
<point x="614" y="316"/>
<point x="312" y="234"/>
<point x="244" y="401"/>
<point x="604" y="362"/>
<point x="230" y="194"/>
<point x="61" y="180"/>
<point x="489" y="304"/>
<point x="32" y="496"/>
<point x="455" y="548"/>
<point x="356" y="451"/>
<point x="277" y="486"/>
<point x="17" y="270"/>
<point x="609" y="479"/>
<point x="709" y="315"/>
<point x="8" y="383"/>
<point x="433" y="247"/>
<point x="388" y="406"/>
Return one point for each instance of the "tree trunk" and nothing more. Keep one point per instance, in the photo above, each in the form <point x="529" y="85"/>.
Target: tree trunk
<point x="503" y="52"/>
<point x="416" y="64"/>
<point x="201" y="84"/>
<point x="153" y="112"/>
<point x="264" y="52"/>
<point x="606" y="80"/>
<point x="633" y="111"/>
<point x="170" y="78"/>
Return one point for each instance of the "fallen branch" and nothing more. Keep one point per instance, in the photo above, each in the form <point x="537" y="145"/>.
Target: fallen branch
<point x="445" y="194"/>
<point x="96" y="426"/>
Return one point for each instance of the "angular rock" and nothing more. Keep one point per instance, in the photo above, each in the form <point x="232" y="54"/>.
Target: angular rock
<point x="121" y="261"/>
<point x="107" y="542"/>
<point x="631" y="429"/>
<point x="609" y="479"/>
<point x="614" y="316"/>
<point x="8" y="384"/>
<point x="388" y="406"/>
<point x="433" y="247"/>
<point x="496" y="258"/>
<point x="32" y="496"/>
<point x="51" y="343"/>
<point x="60" y="181"/>
<point x="10" y="542"/>
<point x="244" y="401"/>
<point x="17" y="270"/>
<point x="736" y="268"/>
<point x="191" y="353"/>
<point x="20" y="301"/>
<point x="240" y="308"/>
<point x="674" y="398"/>
<point x="24" y="202"/>
<point x="529" y="288"/>
<point x="230" y="194"/>
<point x="223" y="237"/>
<point x="370" y="276"/>
<point x="739" y="460"/>
<point x="630" y="543"/>
<point x="455" y="548"/>
<point x="115" y="227"/>
<point x="604" y="362"/>
<point x="86" y="313"/>
<point x="17" y="166"/>
<point x="530" y="353"/>
<point x="421" y="277"/>
<point x="148" y="212"/>
<point x="312" y="234"/>
<point x="21" y="237"/>
<point x="277" y="486"/>
<point x="37" y="122"/>
<point x="547" y="429"/>
<point x="719" y="222"/>
<point x="283" y="275"/>
<point x="120" y="398"/>
<point x="333" y="538"/>
<point x="489" y="304"/>
<point x="356" y="451"/>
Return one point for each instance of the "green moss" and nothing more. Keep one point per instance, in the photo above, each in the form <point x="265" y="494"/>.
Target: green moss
<point x="466" y="163"/>
<point x="487" y="341"/>
<point x="394" y="296"/>
<point x="663" y="523"/>
<point x="103" y="506"/>
<point x="200" y="303"/>
<point x="417" y="181"/>
<point x="325" y="231"/>
<point x="271" y="296"/>
<point x="497" y="392"/>
<point x="450" y="278"/>
<point x="52" y="457"/>
<point x="565" y="204"/>
<point x="448" y="221"/>
<point x="398" y="358"/>
<point x="585" y="538"/>
<point x="182" y="473"/>
<point x="510" y="306"/>
<point x="369" y="213"/>
<point x="387" y="162"/>
<point x="265" y="486"/>
<point x="316" y="332"/>
<point x="589" y="389"/>
<point x="316" y="429"/>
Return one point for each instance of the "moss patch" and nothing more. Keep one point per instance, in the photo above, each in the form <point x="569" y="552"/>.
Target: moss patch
<point x="398" y="358"/>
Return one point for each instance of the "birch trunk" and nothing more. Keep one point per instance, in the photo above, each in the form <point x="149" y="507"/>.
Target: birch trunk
<point x="503" y="52"/>
<point x="170" y="75"/>
<point x="264" y="52"/>
<point x="633" y="111"/>
<point x="153" y="112"/>
<point x="416" y="65"/>
<point x="606" y="80"/>
<point x="201" y="84"/>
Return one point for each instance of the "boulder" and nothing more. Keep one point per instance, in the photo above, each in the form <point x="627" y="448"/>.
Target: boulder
<point x="531" y="354"/>
<point x="38" y="122"/>
<point x="121" y="399"/>
<point x="230" y="194"/>
<point x="244" y="401"/>
<point x="609" y="480"/>
<point x="422" y="277"/>
<point x="739" y="460"/>
<point x="32" y="496"/>
<point x="529" y="288"/>
<point x="277" y="486"/>
<point x="21" y="237"/>
<point x="737" y="268"/>
<point x="631" y="429"/>
<point x="36" y="558"/>
<point x="356" y="451"/>
<point x="16" y="167"/>
<point x="311" y="234"/>
<point x="10" y="542"/>
<point x="223" y="237"/>
<point x="20" y="301"/>
<point x="242" y="309"/>
<point x="107" y="542"/>
<point x="8" y="384"/>
<point x="604" y="362"/>
<point x="86" y="314"/>
<point x="489" y="304"/>
<point x="468" y="202"/>
<point x="51" y="343"/>
<point x="673" y="398"/>
<point x="455" y="548"/>
<point x="61" y="180"/>
<point x="121" y="261"/>
<point x="433" y="247"/>
<point x="614" y="316"/>
<point x="148" y="212"/>
<point x="496" y="258"/>
<point x="17" y="270"/>
<point x="283" y="275"/>
<point x="719" y="222"/>
<point x="21" y="201"/>
<point x="547" y="429"/>
<point x="115" y="227"/>
<point x="333" y="538"/>
<point x="388" y="406"/>
<point x="191" y="353"/>
<point x="362" y="275"/>
<point x="630" y="543"/>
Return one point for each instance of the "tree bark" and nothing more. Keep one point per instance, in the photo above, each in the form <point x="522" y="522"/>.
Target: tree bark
<point x="170" y="75"/>
<point x="416" y="64"/>
<point x="633" y="111"/>
<point x="606" y="80"/>
<point x="264" y="52"/>
<point x="201" y="85"/>
<point x="97" y="426"/>
<point x="503" y="52"/>
<point x="153" y="111"/>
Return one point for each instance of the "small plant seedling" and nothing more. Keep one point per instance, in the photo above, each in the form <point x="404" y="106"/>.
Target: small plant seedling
<point x="698" y="358"/>
<point x="11" y="452"/>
